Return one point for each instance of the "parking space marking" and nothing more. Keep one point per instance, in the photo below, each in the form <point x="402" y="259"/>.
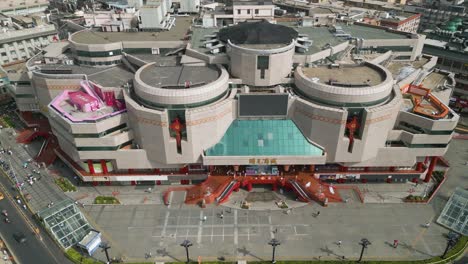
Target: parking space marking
<point x="236" y="230"/>
<point x="200" y="229"/>
<point x="212" y="224"/>
<point x="163" y="232"/>
<point x="272" y="235"/>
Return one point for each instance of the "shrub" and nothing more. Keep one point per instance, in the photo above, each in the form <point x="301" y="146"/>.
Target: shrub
<point x="106" y="200"/>
<point x="76" y="257"/>
<point x="65" y="185"/>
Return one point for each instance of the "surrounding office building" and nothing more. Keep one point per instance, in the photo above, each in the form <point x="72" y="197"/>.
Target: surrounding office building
<point x="407" y="22"/>
<point x="259" y="97"/>
<point x="23" y="7"/>
<point x="240" y="11"/>
<point x="450" y="45"/>
<point x="189" y="6"/>
<point x="437" y="15"/>
<point x="154" y="15"/>
<point x="112" y="20"/>
<point x="22" y="36"/>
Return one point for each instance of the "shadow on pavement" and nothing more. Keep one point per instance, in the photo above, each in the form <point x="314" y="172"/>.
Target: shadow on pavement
<point x="163" y="253"/>
<point x="246" y="252"/>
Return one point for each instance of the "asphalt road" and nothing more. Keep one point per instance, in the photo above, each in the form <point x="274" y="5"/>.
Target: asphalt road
<point x="33" y="250"/>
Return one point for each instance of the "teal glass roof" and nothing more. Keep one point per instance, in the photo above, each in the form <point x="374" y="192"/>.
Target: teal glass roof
<point x="263" y="138"/>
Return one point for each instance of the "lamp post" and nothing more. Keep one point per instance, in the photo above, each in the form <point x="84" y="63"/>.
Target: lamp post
<point x="274" y="243"/>
<point x="364" y="243"/>
<point x="105" y="247"/>
<point x="186" y="244"/>
<point x="451" y="241"/>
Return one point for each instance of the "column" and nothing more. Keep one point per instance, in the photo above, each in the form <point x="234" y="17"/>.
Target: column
<point x="431" y="169"/>
<point x="419" y="166"/>
<point x="91" y="166"/>
<point x="104" y="166"/>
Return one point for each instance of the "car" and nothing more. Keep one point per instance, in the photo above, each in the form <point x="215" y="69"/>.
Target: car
<point x="20" y="237"/>
<point x="2" y="196"/>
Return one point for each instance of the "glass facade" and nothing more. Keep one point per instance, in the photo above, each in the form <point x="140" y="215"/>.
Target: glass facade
<point x="264" y="138"/>
<point x="66" y="223"/>
<point x="111" y="53"/>
<point x="455" y="213"/>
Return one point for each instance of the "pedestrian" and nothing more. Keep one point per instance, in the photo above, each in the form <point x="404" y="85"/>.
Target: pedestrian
<point x="339" y="243"/>
<point x="427" y="225"/>
<point x="317" y="214"/>
<point x="395" y="243"/>
<point x="221" y="216"/>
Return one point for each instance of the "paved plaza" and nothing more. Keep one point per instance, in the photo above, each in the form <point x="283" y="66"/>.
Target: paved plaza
<point x="136" y="230"/>
<point x="243" y="234"/>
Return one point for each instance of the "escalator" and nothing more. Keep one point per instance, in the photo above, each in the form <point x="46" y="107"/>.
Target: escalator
<point x="300" y="191"/>
<point x="227" y="191"/>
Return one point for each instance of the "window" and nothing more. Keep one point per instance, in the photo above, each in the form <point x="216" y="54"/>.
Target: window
<point x="256" y="11"/>
<point x="238" y="11"/>
<point x="262" y="65"/>
<point x="263" y="62"/>
<point x="248" y="11"/>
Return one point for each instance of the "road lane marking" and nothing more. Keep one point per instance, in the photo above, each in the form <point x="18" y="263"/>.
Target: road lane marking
<point x="200" y="229"/>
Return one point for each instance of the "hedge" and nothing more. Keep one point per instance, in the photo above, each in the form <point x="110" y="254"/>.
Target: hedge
<point x="65" y="185"/>
<point x="77" y="258"/>
<point x="106" y="200"/>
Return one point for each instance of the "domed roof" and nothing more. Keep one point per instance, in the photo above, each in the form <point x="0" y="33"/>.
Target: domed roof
<point x="261" y="32"/>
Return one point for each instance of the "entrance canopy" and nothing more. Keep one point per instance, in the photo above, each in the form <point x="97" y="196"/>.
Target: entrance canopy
<point x="264" y="138"/>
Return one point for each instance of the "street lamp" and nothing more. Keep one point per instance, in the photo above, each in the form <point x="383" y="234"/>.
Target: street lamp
<point x="451" y="241"/>
<point x="364" y="243"/>
<point x="186" y="244"/>
<point x="274" y="243"/>
<point x="105" y="247"/>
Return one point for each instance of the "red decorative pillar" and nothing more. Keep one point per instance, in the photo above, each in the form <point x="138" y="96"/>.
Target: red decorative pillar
<point x="431" y="169"/>
<point x="157" y="171"/>
<point x="104" y="167"/>
<point x="249" y="187"/>
<point x="392" y="168"/>
<point x="91" y="166"/>
<point x="366" y="169"/>
<point x="312" y="168"/>
<point x="426" y="160"/>
<point x="275" y="187"/>
<point x="419" y="166"/>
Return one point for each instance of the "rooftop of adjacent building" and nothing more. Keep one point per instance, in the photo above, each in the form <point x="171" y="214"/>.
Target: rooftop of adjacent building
<point x="396" y="67"/>
<point x="398" y="16"/>
<point x="345" y="75"/>
<point x="177" y="33"/>
<point x="321" y="10"/>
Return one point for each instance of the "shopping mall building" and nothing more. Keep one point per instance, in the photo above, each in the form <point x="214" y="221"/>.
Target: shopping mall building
<point x="346" y="102"/>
